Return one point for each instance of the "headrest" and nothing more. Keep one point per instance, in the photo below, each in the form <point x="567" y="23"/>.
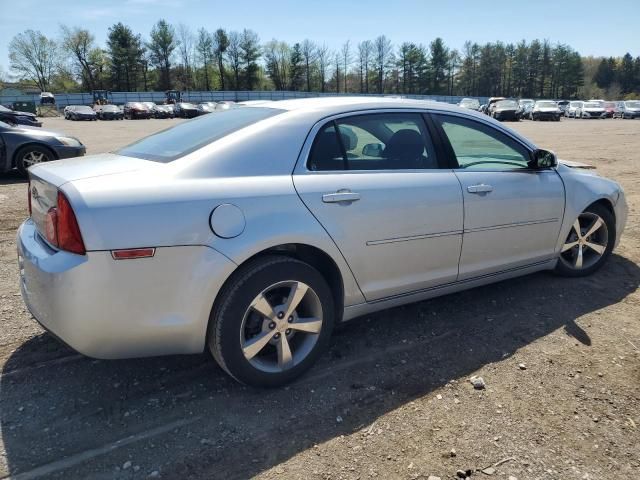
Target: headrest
<point x="404" y="144"/>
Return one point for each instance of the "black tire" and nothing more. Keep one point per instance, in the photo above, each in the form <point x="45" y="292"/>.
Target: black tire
<point x="566" y="271"/>
<point x="20" y="154"/>
<point x="225" y="322"/>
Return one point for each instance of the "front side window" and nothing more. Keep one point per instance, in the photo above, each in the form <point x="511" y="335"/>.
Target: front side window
<point x="383" y="141"/>
<point x="480" y="147"/>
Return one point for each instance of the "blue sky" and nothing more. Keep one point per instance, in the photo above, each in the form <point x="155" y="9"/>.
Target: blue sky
<point x="590" y="26"/>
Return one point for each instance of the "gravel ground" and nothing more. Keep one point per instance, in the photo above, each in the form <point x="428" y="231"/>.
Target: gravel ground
<point x="392" y="397"/>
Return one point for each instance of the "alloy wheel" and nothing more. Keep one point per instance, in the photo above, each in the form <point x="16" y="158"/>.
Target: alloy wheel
<point x="281" y="326"/>
<point x="586" y="243"/>
<point x="33" y="157"/>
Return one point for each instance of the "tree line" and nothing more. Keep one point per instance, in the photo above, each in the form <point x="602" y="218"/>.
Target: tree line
<point x="175" y="57"/>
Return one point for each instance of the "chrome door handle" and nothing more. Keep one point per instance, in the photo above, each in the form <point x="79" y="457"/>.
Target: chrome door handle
<point x="340" y="196"/>
<point x="482" y="188"/>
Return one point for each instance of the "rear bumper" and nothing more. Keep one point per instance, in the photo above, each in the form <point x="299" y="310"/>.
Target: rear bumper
<point x="112" y="309"/>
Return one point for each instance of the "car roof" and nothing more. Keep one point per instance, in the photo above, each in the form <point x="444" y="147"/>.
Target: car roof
<point x="325" y="106"/>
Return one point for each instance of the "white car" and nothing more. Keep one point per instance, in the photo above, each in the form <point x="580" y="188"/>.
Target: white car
<point x="592" y="109"/>
<point x="573" y="108"/>
<point x="545" y="110"/>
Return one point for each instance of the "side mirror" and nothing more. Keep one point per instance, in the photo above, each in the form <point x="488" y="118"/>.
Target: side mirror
<point x="543" y="159"/>
<point x="373" y="150"/>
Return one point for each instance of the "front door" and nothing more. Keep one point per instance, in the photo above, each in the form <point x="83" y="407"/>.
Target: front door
<point x="512" y="213"/>
<point x="373" y="181"/>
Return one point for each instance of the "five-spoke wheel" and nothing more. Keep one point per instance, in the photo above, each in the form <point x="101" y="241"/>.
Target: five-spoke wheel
<point x="32" y="155"/>
<point x="589" y="242"/>
<point x="273" y="318"/>
<point x="281" y="326"/>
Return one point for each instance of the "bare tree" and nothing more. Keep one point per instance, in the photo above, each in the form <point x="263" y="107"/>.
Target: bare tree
<point x="234" y="54"/>
<point x="277" y="56"/>
<point x="204" y="48"/>
<point x="310" y="55"/>
<point x="382" y="59"/>
<point x="346" y="61"/>
<point x="323" y="65"/>
<point x="79" y="43"/>
<point x="34" y="56"/>
<point x="337" y="60"/>
<point x="364" y="59"/>
<point x="185" y="42"/>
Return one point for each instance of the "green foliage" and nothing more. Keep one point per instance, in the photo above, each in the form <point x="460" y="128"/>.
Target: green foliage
<point x="161" y="48"/>
<point x="236" y="60"/>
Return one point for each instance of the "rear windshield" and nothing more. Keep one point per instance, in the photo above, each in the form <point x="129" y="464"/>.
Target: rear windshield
<point x="187" y="137"/>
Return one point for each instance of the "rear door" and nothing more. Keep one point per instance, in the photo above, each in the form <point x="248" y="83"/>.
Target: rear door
<point x="375" y="183"/>
<point x="512" y="213"/>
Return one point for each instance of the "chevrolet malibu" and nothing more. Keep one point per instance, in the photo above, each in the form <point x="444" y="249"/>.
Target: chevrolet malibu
<point x="252" y="232"/>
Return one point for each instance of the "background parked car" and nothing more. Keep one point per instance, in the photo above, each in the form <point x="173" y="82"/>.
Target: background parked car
<point x="525" y="106"/>
<point x="133" y="110"/>
<point x="149" y="105"/>
<point x="109" y="112"/>
<point x="563" y="105"/>
<point x="630" y="109"/>
<point x="163" y="111"/>
<point x="545" y="110"/>
<point x="470" y="103"/>
<point x="505" y="110"/>
<point x="13" y="117"/>
<point x="609" y="109"/>
<point x="186" y="110"/>
<point x="592" y="109"/>
<point x="225" y="105"/>
<point x="573" y="108"/>
<point x="206" y="107"/>
<point x="47" y="98"/>
<point x="80" y="112"/>
<point x="23" y="147"/>
<point x="490" y="104"/>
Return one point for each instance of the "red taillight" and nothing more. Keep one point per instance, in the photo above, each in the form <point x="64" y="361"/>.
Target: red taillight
<point x="69" y="236"/>
<point x="61" y="227"/>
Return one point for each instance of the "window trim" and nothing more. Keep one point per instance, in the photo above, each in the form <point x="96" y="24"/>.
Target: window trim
<point x="305" y="153"/>
<point x="453" y="159"/>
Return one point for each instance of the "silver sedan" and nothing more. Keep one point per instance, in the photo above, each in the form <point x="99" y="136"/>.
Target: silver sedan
<point x="252" y="232"/>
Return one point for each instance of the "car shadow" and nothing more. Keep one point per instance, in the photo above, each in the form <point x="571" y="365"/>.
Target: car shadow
<point x="11" y="177"/>
<point x="65" y="414"/>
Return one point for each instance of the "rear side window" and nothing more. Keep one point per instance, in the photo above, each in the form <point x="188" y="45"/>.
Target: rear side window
<point x="384" y="141"/>
<point x="176" y="142"/>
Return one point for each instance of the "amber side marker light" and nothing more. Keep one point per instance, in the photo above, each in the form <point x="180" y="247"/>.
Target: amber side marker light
<point x="132" y="253"/>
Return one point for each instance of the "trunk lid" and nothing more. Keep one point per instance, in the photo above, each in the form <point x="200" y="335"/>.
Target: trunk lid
<point x="59" y="172"/>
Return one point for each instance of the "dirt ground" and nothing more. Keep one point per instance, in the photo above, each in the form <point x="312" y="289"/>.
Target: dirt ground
<point x="392" y="397"/>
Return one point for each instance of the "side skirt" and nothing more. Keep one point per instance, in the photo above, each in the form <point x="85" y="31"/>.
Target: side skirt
<point x="354" y="311"/>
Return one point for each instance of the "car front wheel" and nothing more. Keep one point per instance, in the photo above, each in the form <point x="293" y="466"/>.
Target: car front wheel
<point x="30" y="155"/>
<point x="589" y="243"/>
<point x="274" y="318"/>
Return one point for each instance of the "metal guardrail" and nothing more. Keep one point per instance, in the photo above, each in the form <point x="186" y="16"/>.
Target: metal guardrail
<point x="64" y="99"/>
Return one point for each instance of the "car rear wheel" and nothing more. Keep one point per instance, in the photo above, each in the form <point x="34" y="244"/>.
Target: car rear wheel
<point x="589" y="243"/>
<point x="31" y="155"/>
<point x="273" y="320"/>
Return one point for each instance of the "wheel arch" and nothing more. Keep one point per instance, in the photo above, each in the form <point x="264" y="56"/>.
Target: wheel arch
<point x="312" y="255"/>
<point x="606" y="203"/>
<point x="29" y="144"/>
